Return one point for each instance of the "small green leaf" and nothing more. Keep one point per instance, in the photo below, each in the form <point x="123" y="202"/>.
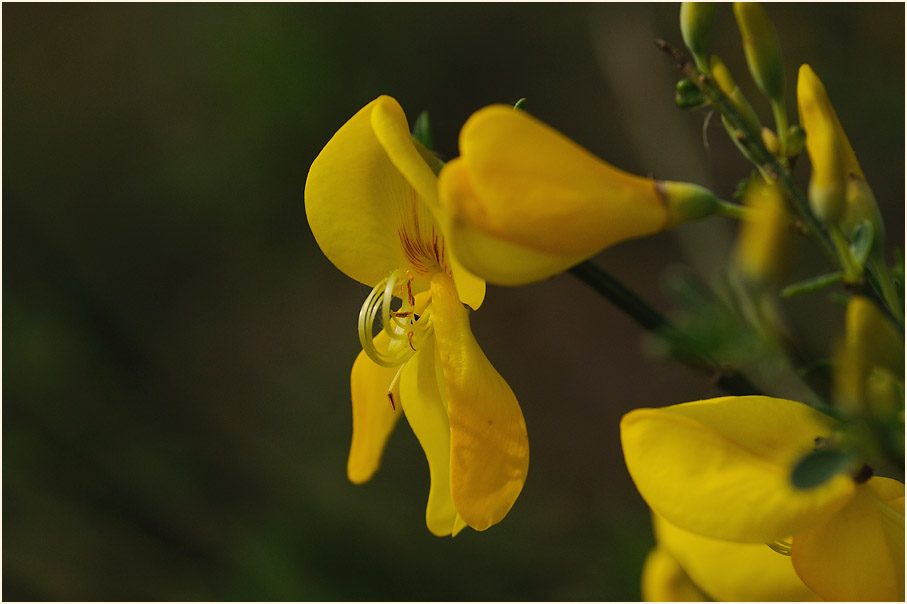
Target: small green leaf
<point x="422" y="131"/>
<point x="812" y="285"/>
<point x="520" y="105"/>
<point x="818" y="467"/>
<point x="688" y="96"/>
<point x="861" y="242"/>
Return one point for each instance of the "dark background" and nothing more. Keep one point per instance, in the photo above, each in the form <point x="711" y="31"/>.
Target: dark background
<point x="177" y="349"/>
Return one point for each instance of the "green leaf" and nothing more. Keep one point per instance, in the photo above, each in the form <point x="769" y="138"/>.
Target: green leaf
<point x="861" y="242"/>
<point x="812" y="285"/>
<point x="520" y="105"/>
<point x="818" y="467"/>
<point x="422" y="131"/>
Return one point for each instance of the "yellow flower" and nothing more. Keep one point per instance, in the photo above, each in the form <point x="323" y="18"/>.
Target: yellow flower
<point x="727" y="571"/>
<point x="371" y="201"/>
<point x="721" y="469"/>
<point x="523" y="202"/>
<point x="663" y="580"/>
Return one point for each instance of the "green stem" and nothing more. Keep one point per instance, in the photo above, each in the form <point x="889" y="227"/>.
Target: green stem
<point x="732" y="210"/>
<point x="653" y="321"/>
<point x="781" y="125"/>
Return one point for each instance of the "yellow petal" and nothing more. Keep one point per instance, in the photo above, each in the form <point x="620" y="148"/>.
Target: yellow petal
<point x="539" y="189"/>
<point x="489" y="455"/>
<point x="425" y="412"/>
<point x="859" y="553"/>
<point x="664" y="581"/>
<point x="496" y="259"/>
<point x="366" y="216"/>
<point x="721" y="467"/>
<point x="392" y="131"/>
<point x="373" y="416"/>
<point x="728" y="571"/>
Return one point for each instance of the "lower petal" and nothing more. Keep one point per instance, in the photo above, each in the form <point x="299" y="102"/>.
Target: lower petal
<point x="489" y="456"/>
<point x="373" y="416"/>
<point x="733" y="572"/>
<point x="859" y="553"/>
<point x="424" y="409"/>
<point x="664" y="581"/>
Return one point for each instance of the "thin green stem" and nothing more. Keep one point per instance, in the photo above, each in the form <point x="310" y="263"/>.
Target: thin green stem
<point x="781" y="125"/>
<point x="653" y="321"/>
<point x="732" y="210"/>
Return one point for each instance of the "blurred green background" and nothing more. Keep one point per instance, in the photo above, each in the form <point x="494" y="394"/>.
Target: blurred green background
<point x="176" y="409"/>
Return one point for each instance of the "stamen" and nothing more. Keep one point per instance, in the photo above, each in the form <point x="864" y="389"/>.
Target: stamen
<point x="399" y="325"/>
<point x="780" y="546"/>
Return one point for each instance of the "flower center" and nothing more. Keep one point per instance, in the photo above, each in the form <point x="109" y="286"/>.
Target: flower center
<point x="406" y="331"/>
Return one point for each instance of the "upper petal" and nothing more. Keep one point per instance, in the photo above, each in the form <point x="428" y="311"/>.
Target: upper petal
<point x="373" y="416"/>
<point x="732" y="572"/>
<point x="494" y="258"/>
<point x="539" y="189"/>
<point x="425" y="412"/>
<point x="359" y="205"/>
<point x="721" y="467"/>
<point x="489" y="455"/>
<point x="858" y="554"/>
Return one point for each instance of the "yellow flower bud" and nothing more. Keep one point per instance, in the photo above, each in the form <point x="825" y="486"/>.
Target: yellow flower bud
<point x="729" y="87"/>
<point x="770" y="140"/>
<point x="870" y="365"/>
<point x="825" y="146"/>
<point x="695" y="26"/>
<point x="763" y="51"/>
<point x="873" y="337"/>
<point x="763" y="239"/>
<point x="838" y="191"/>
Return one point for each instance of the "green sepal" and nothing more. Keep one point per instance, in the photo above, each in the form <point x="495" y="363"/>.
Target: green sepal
<point x="520" y="105"/>
<point x="422" y="131"/>
<point x="818" y="467"/>
<point x="861" y="242"/>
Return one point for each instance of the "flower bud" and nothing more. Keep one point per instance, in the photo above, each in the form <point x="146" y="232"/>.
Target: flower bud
<point x="729" y="87"/>
<point x="869" y="368"/>
<point x="695" y="26"/>
<point x="763" y="51"/>
<point x="687" y="95"/>
<point x="838" y="191"/>
<point x="824" y="145"/>
<point x="763" y="239"/>
<point x="770" y="140"/>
